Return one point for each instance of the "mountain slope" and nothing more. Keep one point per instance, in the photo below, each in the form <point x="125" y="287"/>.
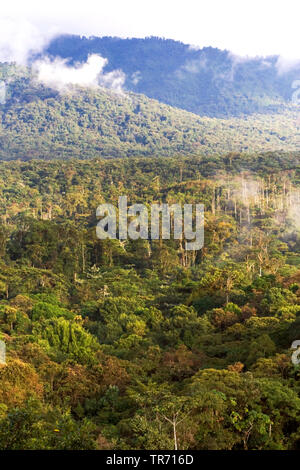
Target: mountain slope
<point x="38" y="122"/>
<point x="206" y="81"/>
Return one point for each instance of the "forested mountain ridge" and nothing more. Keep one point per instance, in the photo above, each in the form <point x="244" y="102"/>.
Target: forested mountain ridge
<point x="208" y="81"/>
<point x="114" y="344"/>
<point x="40" y="122"/>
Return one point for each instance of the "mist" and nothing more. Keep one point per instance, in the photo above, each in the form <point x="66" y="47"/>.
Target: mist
<point x="20" y="39"/>
<point x="59" y="75"/>
<point x="286" y="65"/>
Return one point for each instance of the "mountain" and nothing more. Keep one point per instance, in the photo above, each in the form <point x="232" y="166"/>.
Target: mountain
<point x="208" y="81"/>
<point x="40" y="122"/>
<point x="140" y="343"/>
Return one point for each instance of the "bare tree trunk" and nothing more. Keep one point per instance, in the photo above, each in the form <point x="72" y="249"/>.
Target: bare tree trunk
<point x="175" y="434"/>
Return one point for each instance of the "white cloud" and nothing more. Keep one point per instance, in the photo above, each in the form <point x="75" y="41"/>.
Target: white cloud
<point x="136" y="77"/>
<point x="248" y="27"/>
<point x="59" y="75"/>
<point x="285" y="65"/>
<point x="19" y="38"/>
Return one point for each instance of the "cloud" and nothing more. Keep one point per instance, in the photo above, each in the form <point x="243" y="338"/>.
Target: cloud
<point x="2" y="92"/>
<point x="192" y="66"/>
<point x="19" y="39"/>
<point x="196" y="65"/>
<point x="232" y="64"/>
<point x="251" y="28"/>
<point x="113" y="80"/>
<point x="59" y="75"/>
<point x="285" y="65"/>
<point x="136" y="77"/>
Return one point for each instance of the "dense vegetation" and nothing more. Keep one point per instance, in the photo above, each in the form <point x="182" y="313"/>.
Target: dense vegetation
<point x="113" y="344"/>
<point x="116" y="345"/>
<point x="39" y="122"/>
<point x="207" y="81"/>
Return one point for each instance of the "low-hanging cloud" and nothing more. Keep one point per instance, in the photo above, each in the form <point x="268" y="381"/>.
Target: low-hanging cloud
<point x="277" y="64"/>
<point x="58" y="74"/>
<point x="285" y="65"/>
<point x="19" y="39"/>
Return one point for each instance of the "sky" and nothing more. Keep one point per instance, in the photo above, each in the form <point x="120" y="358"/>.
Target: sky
<point x="245" y="27"/>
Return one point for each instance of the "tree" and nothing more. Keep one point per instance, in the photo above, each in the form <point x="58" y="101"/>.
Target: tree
<point x="159" y="403"/>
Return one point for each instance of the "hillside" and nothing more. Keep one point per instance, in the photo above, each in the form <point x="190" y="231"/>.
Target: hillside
<point x="208" y="81"/>
<point x="39" y="122"/>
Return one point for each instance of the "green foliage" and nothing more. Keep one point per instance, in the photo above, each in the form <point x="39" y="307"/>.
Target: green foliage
<point x="206" y="81"/>
<point x="141" y="345"/>
<point x="65" y="338"/>
<point x="31" y="427"/>
<point x="36" y="122"/>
